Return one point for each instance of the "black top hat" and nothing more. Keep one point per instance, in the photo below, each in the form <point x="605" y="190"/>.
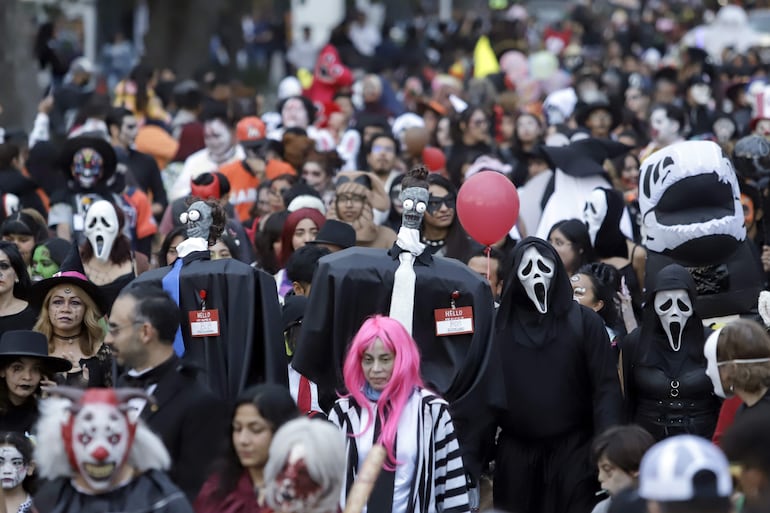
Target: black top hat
<point x="19" y="343"/>
<point x="100" y="146"/>
<point x="336" y="233"/>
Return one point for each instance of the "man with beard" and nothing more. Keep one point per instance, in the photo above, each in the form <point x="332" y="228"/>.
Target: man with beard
<point x="560" y="384"/>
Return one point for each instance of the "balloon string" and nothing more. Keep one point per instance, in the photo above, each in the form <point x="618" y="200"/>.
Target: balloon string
<point x="488" y="251"/>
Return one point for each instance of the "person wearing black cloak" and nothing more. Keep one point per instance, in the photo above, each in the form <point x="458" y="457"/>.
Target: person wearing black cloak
<point x="667" y="390"/>
<point x="561" y="386"/>
<point x="446" y="307"/>
<point x="231" y="322"/>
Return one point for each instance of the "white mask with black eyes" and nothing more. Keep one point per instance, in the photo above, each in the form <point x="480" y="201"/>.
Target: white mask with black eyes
<point x="594" y="212"/>
<point x="673" y="308"/>
<point x="535" y="273"/>
<point x="101" y="228"/>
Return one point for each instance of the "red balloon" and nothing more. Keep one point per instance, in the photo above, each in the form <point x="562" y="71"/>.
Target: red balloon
<point x="434" y="159"/>
<point x="488" y="206"/>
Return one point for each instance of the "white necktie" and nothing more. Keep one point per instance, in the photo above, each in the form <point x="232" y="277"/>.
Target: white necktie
<point x="402" y="300"/>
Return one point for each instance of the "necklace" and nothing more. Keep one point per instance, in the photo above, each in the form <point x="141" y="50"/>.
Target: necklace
<point x="433" y="243"/>
<point x="69" y="340"/>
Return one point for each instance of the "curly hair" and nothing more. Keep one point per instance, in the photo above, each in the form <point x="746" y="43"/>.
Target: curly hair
<point x="218" y="217"/>
<point x="745" y="339"/>
<point x="93" y="329"/>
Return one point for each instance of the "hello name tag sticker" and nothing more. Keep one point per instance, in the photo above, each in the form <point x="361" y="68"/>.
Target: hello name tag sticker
<point x="454" y="321"/>
<point x="204" y="323"/>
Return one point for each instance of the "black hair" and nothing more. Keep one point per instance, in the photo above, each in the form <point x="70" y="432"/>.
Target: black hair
<point x="274" y="404"/>
<point x="20" y="288"/>
<point x="458" y="244"/>
<point x="672" y="112"/>
<point x="605" y="280"/>
<point x="24" y="446"/>
<point x="116" y="115"/>
<point x="154" y="305"/>
<point x="455" y="130"/>
<point x="216" y="110"/>
<point x="494" y="254"/>
<point x="266" y="237"/>
<point x="8" y="152"/>
<point x="141" y="76"/>
<point x="388" y="135"/>
<point x="166" y="244"/>
<point x="576" y="233"/>
<point x="188" y="99"/>
<point x="303" y="262"/>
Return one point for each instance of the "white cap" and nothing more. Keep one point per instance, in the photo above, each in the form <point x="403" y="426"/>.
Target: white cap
<point x="667" y="471"/>
<point x="288" y="87"/>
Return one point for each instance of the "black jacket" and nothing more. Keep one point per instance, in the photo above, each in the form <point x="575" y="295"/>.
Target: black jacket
<point x="13" y="181"/>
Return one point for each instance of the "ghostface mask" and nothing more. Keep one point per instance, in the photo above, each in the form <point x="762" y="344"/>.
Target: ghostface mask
<point x="198" y="220"/>
<point x="87" y="166"/>
<point x="101" y="228"/>
<point x="415" y="202"/>
<point x="594" y="212"/>
<point x="673" y="308"/>
<point x="535" y="273"/>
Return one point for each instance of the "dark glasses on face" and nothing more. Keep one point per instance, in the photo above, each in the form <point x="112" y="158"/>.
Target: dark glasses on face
<point x="435" y="202"/>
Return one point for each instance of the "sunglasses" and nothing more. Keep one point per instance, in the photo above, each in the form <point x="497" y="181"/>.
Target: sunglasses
<point x="435" y="202"/>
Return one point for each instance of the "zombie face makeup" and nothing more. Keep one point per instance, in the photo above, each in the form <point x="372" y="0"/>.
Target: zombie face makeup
<point x="43" y="266"/>
<point x="415" y="202"/>
<point x="13" y="468"/>
<point x="673" y="308"/>
<point x="296" y="489"/>
<point x="198" y="220"/>
<point x="101" y="229"/>
<point x="217" y="137"/>
<point x="87" y="167"/>
<point x="594" y="212"/>
<point x="294" y="114"/>
<point x="535" y="273"/>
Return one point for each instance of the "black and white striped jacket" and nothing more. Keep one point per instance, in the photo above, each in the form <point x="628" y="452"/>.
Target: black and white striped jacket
<point x="439" y="484"/>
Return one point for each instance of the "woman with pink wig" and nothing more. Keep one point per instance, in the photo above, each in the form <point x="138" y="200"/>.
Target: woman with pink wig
<point x="387" y="404"/>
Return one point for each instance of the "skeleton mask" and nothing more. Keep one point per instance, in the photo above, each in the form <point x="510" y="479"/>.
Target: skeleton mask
<point x="594" y="212"/>
<point x="217" y="138"/>
<point x="101" y="228"/>
<point x="415" y="202"/>
<point x="535" y="273"/>
<point x="296" y="489"/>
<point x="13" y="468"/>
<point x="87" y="166"/>
<point x="198" y="220"/>
<point x="674" y="308"/>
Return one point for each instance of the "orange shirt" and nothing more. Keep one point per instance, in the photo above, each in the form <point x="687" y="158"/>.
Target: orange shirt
<point x="243" y="188"/>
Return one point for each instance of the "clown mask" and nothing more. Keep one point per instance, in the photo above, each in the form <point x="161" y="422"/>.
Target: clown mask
<point x="296" y="490"/>
<point x="415" y="202"/>
<point x="13" y="468"/>
<point x="594" y="212"/>
<point x="535" y="273"/>
<point x="87" y="166"/>
<point x="673" y="308"/>
<point x="101" y="228"/>
<point x="198" y="220"/>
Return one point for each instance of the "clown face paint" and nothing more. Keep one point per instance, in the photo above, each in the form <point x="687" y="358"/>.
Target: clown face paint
<point x="217" y="137"/>
<point x="712" y="366"/>
<point x="415" y="202"/>
<point x="296" y="491"/>
<point x="294" y="114"/>
<point x="43" y="266"/>
<point x="594" y="212"/>
<point x="198" y="220"/>
<point x="664" y="130"/>
<point x="100" y="440"/>
<point x="673" y="308"/>
<point x="535" y="273"/>
<point x="87" y="167"/>
<point x="13" y="468"/>
<point x="101" y="228"/>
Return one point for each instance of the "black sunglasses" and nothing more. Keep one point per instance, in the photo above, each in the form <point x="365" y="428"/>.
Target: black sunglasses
<point x="435" y="202"/>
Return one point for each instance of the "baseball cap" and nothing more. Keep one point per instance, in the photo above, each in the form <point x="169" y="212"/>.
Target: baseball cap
<point x="684" y="468"/>
<point x="250" y="129"/>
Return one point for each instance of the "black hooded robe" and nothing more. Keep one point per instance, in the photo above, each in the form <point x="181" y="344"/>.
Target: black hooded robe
<point x="562" y="389"/>
<point x="250" y="347"/>
<point x="353" y="284"/>
<point x="667" y="391"/>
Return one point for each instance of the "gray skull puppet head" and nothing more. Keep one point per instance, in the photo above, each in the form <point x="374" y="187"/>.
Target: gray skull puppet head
<point x="415" y="202"/>
<point x="535" y="273"/>
<point x="198" y="218"/>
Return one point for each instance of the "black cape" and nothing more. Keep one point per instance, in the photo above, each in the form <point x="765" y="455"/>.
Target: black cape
<point x="249" y="348"/>
<point x="353" y="284"/>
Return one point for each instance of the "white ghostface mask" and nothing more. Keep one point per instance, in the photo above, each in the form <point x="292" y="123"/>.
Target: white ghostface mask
<point x="13" y="469"/>
<point x="674" y="308"/>
<point x="535" y="273"/>
<point x="712" y="366"/>
<point x="594" y="212"/>
<point x="101" y="228"/>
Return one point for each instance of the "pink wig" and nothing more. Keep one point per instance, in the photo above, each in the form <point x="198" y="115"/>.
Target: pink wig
<point x="291" y="224"/>
<point x="406" y="375"/>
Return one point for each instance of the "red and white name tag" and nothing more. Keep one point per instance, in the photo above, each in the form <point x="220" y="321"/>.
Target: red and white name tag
<point x="204" y="323"/>
<point x="454" y="321"/>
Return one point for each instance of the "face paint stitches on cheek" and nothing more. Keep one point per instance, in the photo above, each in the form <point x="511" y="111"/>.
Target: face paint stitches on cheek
<point x="13" y="469"/>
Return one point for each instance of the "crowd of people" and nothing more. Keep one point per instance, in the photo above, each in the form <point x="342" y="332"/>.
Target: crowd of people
<point x="185" y="275"/>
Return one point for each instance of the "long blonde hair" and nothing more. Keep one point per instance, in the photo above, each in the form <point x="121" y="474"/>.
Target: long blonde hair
<point x="93" y="329"/>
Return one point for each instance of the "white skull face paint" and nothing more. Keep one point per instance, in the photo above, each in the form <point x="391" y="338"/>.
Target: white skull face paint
<point x="101" y="228"/>
<point x="664" y="129"/>
<point x="217" y="137"/>
<point x="594" y="212"/>
<point x="415" y="202"/>
<point x="535" y="273"/>
<point x="294" y="114"/>
<point x="100" y="444"/>
<point x="674" y="308"/>
<point x="198" y="220"/>
<point x="712" y="366"/>
<point x="13" y="468"/>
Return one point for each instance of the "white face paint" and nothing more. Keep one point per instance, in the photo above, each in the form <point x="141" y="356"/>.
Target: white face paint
<point x="664" y="129"/>
<point x="217" y="137"/>
<point x="13" y="470"/>
<point x="100" y="444"/>
<point x="294" y="114"/>
<point x="674" y="308"/>
<point x="101" y="228"/>
<point x="594" y="212"/>
<point x="701" y="94"/>
<point x="535" y="273"/>
<point x="712" y="366"/>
